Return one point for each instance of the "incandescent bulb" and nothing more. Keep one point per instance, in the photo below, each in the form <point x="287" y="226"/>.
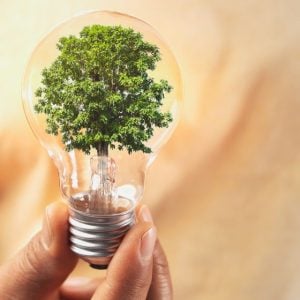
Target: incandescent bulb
<point x="101" y="93"/>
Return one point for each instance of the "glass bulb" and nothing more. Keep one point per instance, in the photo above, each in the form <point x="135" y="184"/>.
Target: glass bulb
<point x="102" y="191"/>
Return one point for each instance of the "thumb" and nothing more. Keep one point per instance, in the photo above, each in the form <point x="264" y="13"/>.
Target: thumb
<point x="44" y="263"/>
<point x="130" y="271"/>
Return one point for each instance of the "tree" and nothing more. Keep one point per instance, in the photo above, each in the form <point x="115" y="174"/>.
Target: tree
<point x="98" y="93"/>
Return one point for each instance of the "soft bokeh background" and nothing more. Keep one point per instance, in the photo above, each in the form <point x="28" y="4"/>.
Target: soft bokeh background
<point x="225" y="189"/>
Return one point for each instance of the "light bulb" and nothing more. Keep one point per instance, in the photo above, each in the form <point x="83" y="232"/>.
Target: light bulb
<point x="101" y="189"/>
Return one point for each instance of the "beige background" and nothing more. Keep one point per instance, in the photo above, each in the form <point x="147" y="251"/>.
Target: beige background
<point x="225" y="189"/>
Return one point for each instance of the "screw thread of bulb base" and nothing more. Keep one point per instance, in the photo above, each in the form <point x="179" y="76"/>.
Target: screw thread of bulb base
<point x="95" y="239"/>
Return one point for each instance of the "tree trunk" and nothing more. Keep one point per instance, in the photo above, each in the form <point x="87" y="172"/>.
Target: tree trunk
<point x="102" y="149"/>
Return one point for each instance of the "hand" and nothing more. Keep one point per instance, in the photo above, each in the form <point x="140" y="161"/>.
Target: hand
<point x="138" y="270"/>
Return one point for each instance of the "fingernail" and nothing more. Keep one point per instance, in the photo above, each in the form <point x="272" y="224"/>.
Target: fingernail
<point x="148" y="243"/>
<point x="77" y="282"/>
<point x="47" y="232"/>
<point x="145" y="214"/>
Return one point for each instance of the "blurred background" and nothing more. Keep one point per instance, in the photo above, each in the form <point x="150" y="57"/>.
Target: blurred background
<point x="225" y="189"/>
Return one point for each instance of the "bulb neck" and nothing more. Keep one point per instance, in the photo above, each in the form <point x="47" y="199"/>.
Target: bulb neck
<point x="102" y="188"/>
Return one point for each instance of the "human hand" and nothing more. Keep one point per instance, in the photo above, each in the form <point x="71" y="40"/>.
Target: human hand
<point x="138" y="270"/>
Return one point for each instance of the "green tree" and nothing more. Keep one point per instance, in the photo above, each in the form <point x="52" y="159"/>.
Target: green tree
<point x="98" y="92"/>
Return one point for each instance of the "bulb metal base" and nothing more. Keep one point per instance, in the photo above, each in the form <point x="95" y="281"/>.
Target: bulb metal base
<point x="95" y="238"/>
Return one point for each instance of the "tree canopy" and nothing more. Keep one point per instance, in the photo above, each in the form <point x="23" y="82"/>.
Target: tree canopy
<point x="98" y="92"/>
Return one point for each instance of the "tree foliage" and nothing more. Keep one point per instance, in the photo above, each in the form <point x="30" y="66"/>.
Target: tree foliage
<point x="98" y="92"/>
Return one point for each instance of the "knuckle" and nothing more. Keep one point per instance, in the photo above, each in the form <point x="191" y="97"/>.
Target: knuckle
<point x="129" y="288"/>
<point x="138" y="286"/>
<point x="29" y="264"/>
<point x="162" y="267"/>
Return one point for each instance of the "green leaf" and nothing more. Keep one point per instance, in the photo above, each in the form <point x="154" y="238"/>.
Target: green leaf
<point x="98" y="93"/>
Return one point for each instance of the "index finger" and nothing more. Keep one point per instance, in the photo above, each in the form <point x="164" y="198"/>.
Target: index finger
<point x="161" y="285"/>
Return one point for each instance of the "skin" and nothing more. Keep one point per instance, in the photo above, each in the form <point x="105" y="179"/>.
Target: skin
<point x="139" y="269"/>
